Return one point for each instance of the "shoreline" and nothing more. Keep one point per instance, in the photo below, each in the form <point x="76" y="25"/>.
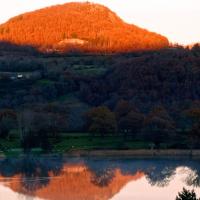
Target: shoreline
<point x="135" y="153"/>
<point x="144" y="153"/>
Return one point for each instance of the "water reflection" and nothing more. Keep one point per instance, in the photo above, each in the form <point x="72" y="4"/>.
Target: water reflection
<point x="27" y="175"/>
<point x="61" y="178"/>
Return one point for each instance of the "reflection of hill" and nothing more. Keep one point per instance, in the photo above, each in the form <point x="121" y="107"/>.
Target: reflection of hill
<point x="75" y="183"/>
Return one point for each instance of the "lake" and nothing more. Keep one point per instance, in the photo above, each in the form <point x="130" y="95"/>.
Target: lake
<point x="61" y="178"/>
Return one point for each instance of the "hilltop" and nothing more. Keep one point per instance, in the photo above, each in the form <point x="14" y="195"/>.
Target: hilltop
<point x="84" y="26"/>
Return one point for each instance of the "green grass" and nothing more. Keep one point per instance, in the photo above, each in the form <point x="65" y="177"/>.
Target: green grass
<point x="44" y="82"/>
<point x="87" y="142"/>
<point x="89" y="70"/>
<point x="9" y="144"/>
<point x="67" y="98"/>
<point x="81" y="141"/>
<point x="10" y="147"/>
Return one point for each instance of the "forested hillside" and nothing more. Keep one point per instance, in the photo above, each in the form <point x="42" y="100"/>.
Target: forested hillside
<point x="79" y="27"/>
<point x="145" y="96"/>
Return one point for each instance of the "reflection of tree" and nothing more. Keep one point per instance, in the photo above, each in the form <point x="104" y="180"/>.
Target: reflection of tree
<point x="102" y="170"/>
<point x="193" y="178"/>
<point x="161" y="176"/>
<point x="33" y="172"/>
<point x="158" y="172"/>
<point x="103" y="177"/>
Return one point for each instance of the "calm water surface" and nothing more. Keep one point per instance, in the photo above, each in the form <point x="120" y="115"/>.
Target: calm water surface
<point x="58" y="178"/>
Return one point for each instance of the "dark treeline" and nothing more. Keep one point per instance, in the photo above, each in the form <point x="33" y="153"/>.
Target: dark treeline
<point x="151" y="96"/>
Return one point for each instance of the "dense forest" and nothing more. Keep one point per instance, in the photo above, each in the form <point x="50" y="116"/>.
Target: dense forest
<point x="141" y="96"/>
<point x="85" y="27"/>
<point x="78" y="68"/>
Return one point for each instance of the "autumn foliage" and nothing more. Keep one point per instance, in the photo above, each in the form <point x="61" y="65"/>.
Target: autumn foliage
<point x="86" y="26"/>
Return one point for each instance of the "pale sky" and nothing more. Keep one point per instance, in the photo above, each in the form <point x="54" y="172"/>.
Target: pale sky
<point x="179" y="20"/>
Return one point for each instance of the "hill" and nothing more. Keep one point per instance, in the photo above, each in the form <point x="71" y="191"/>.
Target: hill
<point x="84" y="26"/>
<point x="154" y="95"/>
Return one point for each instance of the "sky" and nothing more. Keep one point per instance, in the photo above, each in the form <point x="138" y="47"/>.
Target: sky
<point x="179" y="20"/>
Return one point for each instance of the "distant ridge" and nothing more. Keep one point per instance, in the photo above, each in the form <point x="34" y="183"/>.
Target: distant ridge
<point x="79" y="26"/>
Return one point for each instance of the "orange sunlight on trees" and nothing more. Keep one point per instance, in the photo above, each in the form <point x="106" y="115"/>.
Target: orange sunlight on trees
<point x="92" y="26"/>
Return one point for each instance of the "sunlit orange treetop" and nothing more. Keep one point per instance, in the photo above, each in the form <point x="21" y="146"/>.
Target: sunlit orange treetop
<point x="91" y="27"/>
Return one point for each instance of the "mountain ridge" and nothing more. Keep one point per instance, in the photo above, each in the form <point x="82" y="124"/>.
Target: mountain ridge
<point x="101" y="28"/>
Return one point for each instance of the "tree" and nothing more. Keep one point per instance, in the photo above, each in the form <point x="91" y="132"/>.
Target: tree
<point x="131" y="123"/>
<point x="7" y="121"/>
<point x="194" y="132"/>
<point x="122" y="109"/>
<point x="129" y="119"/>
<point x="194" y="114"/>
<point x="187" y="195"/>
<point x="34" y="128"/>
<point x="38" y="125"/>
<point x="158" y="125"/>
<point x="101" y="120"/>
<point x="196" y="49"/>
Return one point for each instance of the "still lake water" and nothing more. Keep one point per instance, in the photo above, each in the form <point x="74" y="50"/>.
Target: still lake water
<point x="58" y="178"/>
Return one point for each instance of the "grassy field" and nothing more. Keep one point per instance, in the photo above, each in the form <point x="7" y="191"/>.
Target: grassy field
<point x="88" y="142"/>
<point x="81" y="141"/>
<point x="89" y="70"/>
